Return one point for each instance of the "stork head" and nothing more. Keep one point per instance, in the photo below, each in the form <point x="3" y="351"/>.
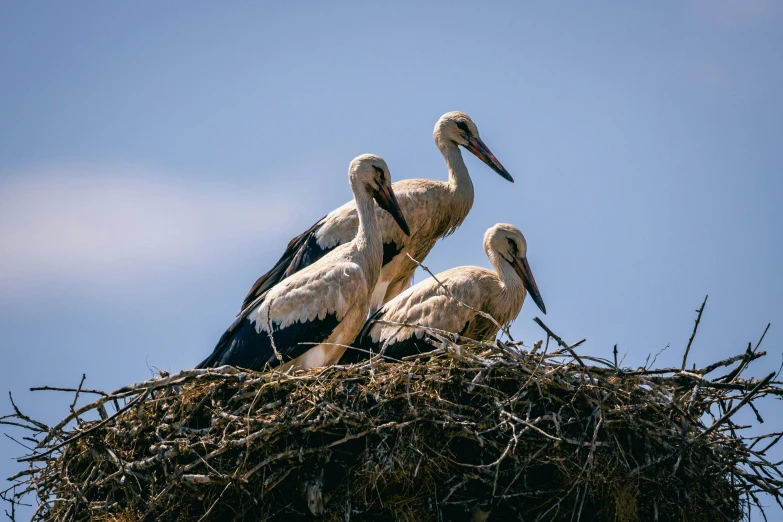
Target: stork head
<point x="457" y="128"/>
<point x="370" y="174"/>
<point x="506" y="244"/>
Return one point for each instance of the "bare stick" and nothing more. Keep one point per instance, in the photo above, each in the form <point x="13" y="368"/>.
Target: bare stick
<point x="735" y="409"/>
<point x="762" y="336"/>
<point x="695" y="327"/>
<point x="72" y="390"/>
<point x="749" y="353"/>
<point x="553" y="335"/>
<point x="615" y="358"/>
<point x="54" y="448"/>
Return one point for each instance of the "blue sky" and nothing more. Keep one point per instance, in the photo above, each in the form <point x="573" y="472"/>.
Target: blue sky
<point x="155" y="159"/>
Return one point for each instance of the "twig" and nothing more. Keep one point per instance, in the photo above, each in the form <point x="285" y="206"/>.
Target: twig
<point x="617" y="368"/>
<point x="566" y="347"/>
<point x="727" y="416"/>
<point x="95" y="427"/>
<point x="744" y="364"/>
<point x="71" y="390"/>
<point x="695" y="327"/>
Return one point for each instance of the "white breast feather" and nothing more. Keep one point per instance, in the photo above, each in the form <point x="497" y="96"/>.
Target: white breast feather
<point x="428" y="304"/>
<point x="311" y="294"/>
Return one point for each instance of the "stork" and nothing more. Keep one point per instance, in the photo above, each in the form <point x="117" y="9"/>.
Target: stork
<point x="439" y="302"/>
<point x="433" y="208"/>
<point x="304" y="320"/>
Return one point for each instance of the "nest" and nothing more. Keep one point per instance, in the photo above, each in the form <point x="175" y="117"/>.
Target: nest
<point x="482" y="432"/>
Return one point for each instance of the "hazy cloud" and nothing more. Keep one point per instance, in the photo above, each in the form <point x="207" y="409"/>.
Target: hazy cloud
<point x="111" y="227"/>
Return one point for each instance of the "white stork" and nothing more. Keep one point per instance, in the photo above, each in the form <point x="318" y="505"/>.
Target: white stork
<point x="430" y="304"/>
<point x="302" y="321"/>
<point x="434" y="209"/>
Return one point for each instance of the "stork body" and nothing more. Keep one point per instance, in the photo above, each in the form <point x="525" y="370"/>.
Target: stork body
<point x="302" y="321"/>
<point x="434" y="209"/>
<point x="436" y="302"/>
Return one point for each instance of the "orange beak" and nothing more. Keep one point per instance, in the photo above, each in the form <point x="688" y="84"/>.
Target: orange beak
<point x="482" y="152"/>
<point x="386" y="199"/>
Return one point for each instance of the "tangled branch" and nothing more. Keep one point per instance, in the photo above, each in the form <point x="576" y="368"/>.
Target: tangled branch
<point x="493" y="429"/>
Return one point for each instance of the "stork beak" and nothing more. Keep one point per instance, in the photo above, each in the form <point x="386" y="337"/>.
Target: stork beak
<point x="482" y="152"/>
<point x="386" y="199"/>
<point x="523" y="271"/>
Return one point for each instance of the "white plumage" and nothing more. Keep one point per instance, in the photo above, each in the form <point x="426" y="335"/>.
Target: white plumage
<point x="303" y="320"/>
<point x="433" y="209"/>
<point x="439" y="302"/>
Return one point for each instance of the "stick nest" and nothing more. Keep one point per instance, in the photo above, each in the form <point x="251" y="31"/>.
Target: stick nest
<point x="463" y="433"/>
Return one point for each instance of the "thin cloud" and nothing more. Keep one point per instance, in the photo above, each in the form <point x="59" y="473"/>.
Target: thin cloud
<point x="108" y="228"/>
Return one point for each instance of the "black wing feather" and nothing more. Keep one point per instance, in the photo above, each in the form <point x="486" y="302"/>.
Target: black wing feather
<point x="365" y="345"/>
<point x="241" y="345"/>
<point x="390" y="251"/>
<point x="302" y="251"/>
<point x="398" y="350"/>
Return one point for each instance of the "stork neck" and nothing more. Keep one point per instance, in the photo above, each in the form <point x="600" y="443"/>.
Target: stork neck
<point x="369" y="232"/>
<point x="459" y="178"/>
<point x="368" y="241"/>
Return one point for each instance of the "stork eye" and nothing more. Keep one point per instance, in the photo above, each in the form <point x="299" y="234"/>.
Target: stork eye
<point x="378" y="170"/>
<point x="512" y="246"/>
<point x="463" y="127"/>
